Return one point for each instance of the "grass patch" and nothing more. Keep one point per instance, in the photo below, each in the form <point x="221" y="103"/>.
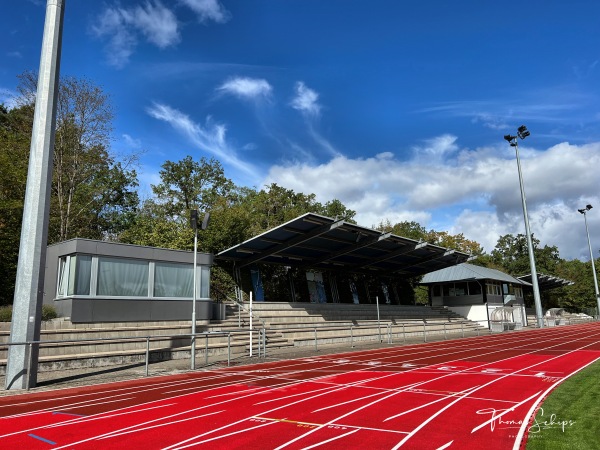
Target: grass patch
<point x="575" y="406"/>
<point x="48" y="313"/>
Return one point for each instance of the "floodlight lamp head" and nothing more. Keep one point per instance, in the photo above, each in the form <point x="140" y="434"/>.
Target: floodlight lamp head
<point x="582" y="210"/>
<point x="523" y="132"/>
<point x="588" y="207"/>
<point x="508" y="137"/>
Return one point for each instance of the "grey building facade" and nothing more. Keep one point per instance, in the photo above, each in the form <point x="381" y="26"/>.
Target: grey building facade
<point x="95" y="281"/>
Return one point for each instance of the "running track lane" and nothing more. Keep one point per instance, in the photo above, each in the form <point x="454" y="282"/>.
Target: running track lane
<point x="464" y="393"/>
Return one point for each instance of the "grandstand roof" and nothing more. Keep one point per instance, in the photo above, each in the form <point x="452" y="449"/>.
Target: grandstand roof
<point x="467" y="272"/>
<point x="317" y="242"/>
<point x="546" y="282"/>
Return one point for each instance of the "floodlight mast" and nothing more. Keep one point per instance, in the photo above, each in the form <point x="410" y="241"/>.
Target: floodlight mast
<point x="194" y="225"/>
<point x="522" y="133"/>
<point x="587" y="231"/>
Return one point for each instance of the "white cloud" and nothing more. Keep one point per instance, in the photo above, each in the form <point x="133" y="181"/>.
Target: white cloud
<point x="208" y="10"/>
<point x="131" y="142"/>
<point x="474" y="192"/>
<point x="209" y="137"/>
<point x="122" y="26"/>
<point x="247" y="88"/>
<point x="305" y="100"/>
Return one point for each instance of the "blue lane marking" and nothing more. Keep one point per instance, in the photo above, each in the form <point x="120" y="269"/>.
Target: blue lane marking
<point x="47" y="441"/>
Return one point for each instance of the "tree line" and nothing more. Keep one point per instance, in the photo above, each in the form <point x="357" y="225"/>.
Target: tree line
<point x="95" y="196"/>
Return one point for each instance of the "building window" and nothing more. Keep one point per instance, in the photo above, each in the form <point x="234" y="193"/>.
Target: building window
<point x="74" y="275"/>
<point x="122" y="277"/>
<point x="173" y="280"/>
<point x="437" y="290"/>
<point x="493" y="288"/>
<point x="474" y="288"/>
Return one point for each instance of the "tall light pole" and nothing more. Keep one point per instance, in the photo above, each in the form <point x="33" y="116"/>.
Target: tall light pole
<point x="584" y="211"/>
<point x="21" y="368"/>
<point x="522" y="133"/>
<point x="194" y="224"/>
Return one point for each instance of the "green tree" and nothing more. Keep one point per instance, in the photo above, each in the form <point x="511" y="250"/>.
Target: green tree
<point x="189" y="184"/>
<point x="93" y="194"/>
<point x="512" y="254"/>
<point x="15" y="136"/>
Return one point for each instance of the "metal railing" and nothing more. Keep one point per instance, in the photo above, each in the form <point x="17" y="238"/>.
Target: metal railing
<point x="261" y="343"/>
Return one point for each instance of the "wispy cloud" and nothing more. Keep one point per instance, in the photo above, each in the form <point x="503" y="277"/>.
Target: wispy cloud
<point x="209" y="137"/>
<point x="208" y="10"/>
<point x="306" y="100"/>
<point x="247" y="88"/>
<point x="132" y="142"/>
<point x="14" y="54"/>
<point x="122" y="27"/>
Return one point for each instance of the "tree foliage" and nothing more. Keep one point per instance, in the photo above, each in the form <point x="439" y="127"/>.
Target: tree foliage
<point x="93" y="194"/>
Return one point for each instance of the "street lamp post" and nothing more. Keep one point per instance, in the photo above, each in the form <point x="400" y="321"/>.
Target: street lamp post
<point x="522" y="133"/>
<point x="194" y="224"/>
<point x="584" y="211"/>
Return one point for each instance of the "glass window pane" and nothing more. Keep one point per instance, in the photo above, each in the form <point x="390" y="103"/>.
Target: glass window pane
<point x="205" y="283"/>
<point x="84" y="271"/>
<point x="474" y="288"/>
<point x="173" y="280"/>
<point x="63" y="274"/>
<point x="122" y="277"/>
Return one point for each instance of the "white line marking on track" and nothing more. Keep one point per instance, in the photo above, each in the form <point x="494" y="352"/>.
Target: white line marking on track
<point x="136" y="429"/>
<point x="318" y="444"/>
<point x="497" y="416"/>
<point x="448" y="444"/>
<point x="177" y="447"/>
<point x="447" y="397"/>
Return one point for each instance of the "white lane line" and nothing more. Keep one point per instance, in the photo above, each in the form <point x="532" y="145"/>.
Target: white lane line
<point x="533" y="408"/>
<point x="318" y="444"/>
<point x="75" y="421"/>
<point x="384" y="398"/>
<point x="448" y="444"/>
<point x="497" y="416"/>
<point x="178" y="445"/>
<point x="447" y="397"/>
<point x="424" y="423"/>
<point x="137" y="428"/>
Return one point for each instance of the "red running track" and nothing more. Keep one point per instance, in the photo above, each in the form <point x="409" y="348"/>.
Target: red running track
<point x="465" y="393"/>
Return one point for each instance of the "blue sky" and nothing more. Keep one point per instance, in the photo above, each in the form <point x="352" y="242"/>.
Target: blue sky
<point x="396" y="108"/>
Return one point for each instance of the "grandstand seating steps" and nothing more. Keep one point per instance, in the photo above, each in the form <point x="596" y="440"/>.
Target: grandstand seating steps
<point x="285" y="324"/>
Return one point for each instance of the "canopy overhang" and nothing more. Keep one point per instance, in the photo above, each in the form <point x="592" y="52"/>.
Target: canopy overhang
<point x="546" y="282"/>
<point x="321" y="243"/>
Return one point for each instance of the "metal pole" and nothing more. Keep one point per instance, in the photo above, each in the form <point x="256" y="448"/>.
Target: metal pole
<point x="147" y="353"/>
<point x="316" y="345"/>
<point x="29" y="283"/>
<point x="534" y="280"/>
<point x="206" y="351"/>
<point x="378" y="321"/>
<point x="228" y="349"/>
<point x="264" y="342"/>
<point x="444" y="330"/>
<point x="462" y="329"/>
<point x="593" y="266"/>
<point x="193" y="343"/>
<point x="424" y="333"/>
<point x="403" y="335"/>
<point x="250" y="324"/>
<point x="351" y="336"/>
<point x="29" y="363"/>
